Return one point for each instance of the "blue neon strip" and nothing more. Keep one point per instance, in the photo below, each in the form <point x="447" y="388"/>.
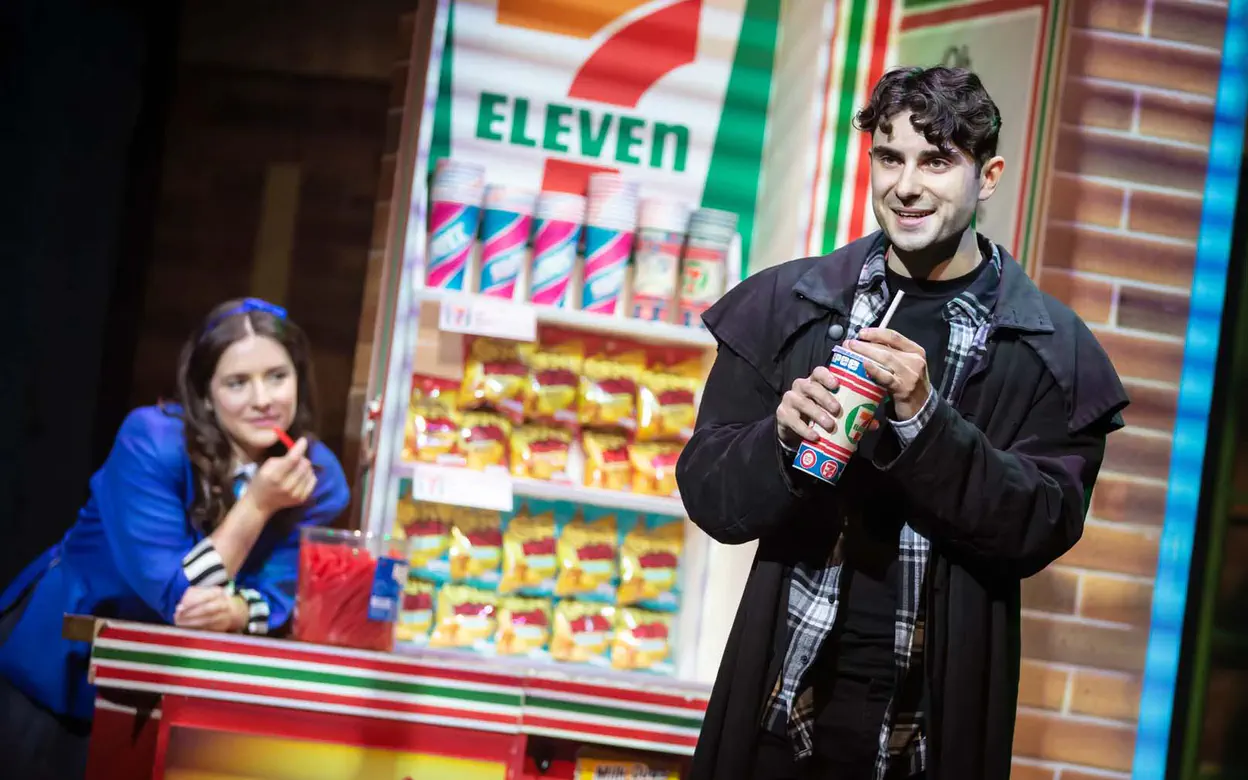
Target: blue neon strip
<point x="1195" y="394"/>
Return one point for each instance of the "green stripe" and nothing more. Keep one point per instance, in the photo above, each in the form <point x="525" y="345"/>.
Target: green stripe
<point x="737" y="156"/>
<point x="441" y="144"/>
<point x="581" y="708"/>
<point x="272" y="674"/>
<point x="844" y="132"/>
<point x="1038" y="142"/>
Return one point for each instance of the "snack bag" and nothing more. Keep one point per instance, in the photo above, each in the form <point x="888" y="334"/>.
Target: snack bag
<point x="432" y="420"/>
<point x="654" y="467"/>
<point x="667" y="398"/>
<point x="476" y="550"/>
<point x="540" y="452"/>
<point x="650" y="563"/>
<point x="609" y="386"/>
<point x="416" y="612"/>
<point x="582" y="632"/>
<point x="554" y="375"/>
<point x="523" y="626"/>
<point x="405" y="509"/>
<point x="495" y="375"/>
<point x="642" y="641"/>
<point x="606" y="461"/>
<point x="529" y="563"/>
<point x="587" y="564"/>
<point x="483" y="439"/>
<point x="429" y="541"/>
<point x="465" y="618"/>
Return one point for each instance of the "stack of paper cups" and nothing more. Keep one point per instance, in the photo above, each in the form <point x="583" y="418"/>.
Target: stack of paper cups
<point x="505" y="229"/>
<point x="705" y="273"/>
<point x="454" y="213"/>
<point x="660" y="237"/>
<point x="609" y="230"/>
<point x="559" y="218"/>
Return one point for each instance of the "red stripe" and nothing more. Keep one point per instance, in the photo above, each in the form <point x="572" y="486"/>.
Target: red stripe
<point x="292" y="651"/>
<point x="105" y="673"/>
<point x="609" y="731"/>
<point x="873" y="392"/>
<point x="963" y="11"/>
<point x="879" y="50"/>
<point x="836" y="451"/>
<point x="618" y="694"/>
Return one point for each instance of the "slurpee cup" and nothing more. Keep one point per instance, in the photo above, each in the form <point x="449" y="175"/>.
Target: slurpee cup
<point x="454" y="215"/>
<point x="559" y="218"/>
<point x="660" y="237"/>
<point x="704" y="276"/>
<point x="505" y="227"/>
<point x="859" y="397"/>
<point x="612" y="218"/>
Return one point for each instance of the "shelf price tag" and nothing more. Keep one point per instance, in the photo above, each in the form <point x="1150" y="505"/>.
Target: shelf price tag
<point x="622" y="769"/>
<point x="462" y="487"/>
<point x="491" y="317"/>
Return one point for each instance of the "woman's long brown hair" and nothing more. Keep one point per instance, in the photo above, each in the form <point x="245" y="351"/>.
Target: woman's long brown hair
<point x="212" y="458"/>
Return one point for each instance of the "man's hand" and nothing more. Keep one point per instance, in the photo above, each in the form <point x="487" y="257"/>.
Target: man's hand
<point x="809" y="400"/>
<point x="210" y="609"/>
<point x="906" y="363"/>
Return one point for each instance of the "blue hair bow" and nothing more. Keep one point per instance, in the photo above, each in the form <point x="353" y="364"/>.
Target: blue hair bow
<point x="249" y="305"/>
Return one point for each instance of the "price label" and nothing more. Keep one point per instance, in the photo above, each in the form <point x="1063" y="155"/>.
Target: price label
<point x="491" y="317"/>
<point x="616" y="769"/>
<point x="460" y="486"/>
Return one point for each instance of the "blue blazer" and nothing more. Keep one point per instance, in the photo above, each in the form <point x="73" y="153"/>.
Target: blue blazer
<point x="123" y="558"/>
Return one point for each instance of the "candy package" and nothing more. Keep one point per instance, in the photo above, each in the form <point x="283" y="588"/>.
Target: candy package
<point x="606" y="461"/>
<point x="432" y="434"/>
<point x="465" y="617"/>
<point x="429" y="541"/>
<point x="541" y="452"/>
<point x="587" y="558"/>
<point x="667" y="398"/>
<point x="523" y="627"/>
<point x="554" y="375"/>
<point x="476" y="550"/>
<point x="654" y="467"/>
<point x="416" y="613"/>
<point x="582" y="632"/>
<point x="483" y="439"/>
<point x="650" y="563"/>
<point x="336" y="588"/>
<point x="608" y="396"/>
<point x="495" y="375"/>
<point x="642" y="641"/>
<point x="529" y="563"/>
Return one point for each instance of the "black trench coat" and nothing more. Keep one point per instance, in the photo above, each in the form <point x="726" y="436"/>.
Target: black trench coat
<point x="1001" y="482"/>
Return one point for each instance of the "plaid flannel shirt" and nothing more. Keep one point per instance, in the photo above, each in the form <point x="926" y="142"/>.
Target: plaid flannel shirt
<point x="814" y="593"/>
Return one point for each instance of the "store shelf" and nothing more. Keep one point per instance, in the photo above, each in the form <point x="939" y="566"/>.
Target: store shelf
<point x="624" y="327"/>
<point x="612" y="499"/>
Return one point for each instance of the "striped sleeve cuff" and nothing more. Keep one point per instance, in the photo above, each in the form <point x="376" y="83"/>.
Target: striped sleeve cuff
<point x="203" y="565"/>
<point x="908" y="430"/>
<point x="257" y="611"/>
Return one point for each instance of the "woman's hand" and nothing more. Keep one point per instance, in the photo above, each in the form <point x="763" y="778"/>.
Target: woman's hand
<point x="211" y="609"/>
<point x="283" y="482"/>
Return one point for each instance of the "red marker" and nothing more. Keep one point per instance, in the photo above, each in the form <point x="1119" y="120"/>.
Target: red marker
<point x="284" y="438"/>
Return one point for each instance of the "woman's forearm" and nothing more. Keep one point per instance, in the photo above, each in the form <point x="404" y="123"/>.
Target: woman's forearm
<point x="238" y="532"/>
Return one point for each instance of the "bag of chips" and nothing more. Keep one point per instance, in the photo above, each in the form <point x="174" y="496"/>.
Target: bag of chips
<point x="465" y="618"/>
<point x="554" y="376"/>
<point x="650" y="563"/>
<point x="606" y="461"/>
<point x="495" y="375"/>
<point x="609" y="386"/>
<point x="415" y="613"/>
<point x="654" y="467"/>
<point x="429" y="541"/>
<point x="667" y="400"/>
<point x="587" y="558"/>
<point x="529" y="563"/>
<point x="432" y="433"/>
<point x="523" y="626"/>
<point x="642" y="641"/>
<point x="582" y="632"/>
<point x="483" y="439"/>
<point x="476" y="551"/>
<point x="540" y="452"/>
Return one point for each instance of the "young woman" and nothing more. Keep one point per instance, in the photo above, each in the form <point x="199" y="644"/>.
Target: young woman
<point x="193" y="521"/>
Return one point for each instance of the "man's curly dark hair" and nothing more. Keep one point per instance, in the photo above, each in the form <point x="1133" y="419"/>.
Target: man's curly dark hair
<point x="949" y="106"/>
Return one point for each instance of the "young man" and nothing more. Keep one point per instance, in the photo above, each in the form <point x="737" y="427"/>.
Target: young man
<point x="878" y="634"/>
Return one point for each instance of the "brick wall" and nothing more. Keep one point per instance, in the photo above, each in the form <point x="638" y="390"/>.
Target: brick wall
<point x="1129" y="169"/>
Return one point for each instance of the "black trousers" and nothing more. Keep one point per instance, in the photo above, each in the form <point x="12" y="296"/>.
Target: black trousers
<point x="846" y="737"/>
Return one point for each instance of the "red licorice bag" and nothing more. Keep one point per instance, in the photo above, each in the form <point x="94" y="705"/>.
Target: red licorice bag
<point x="346" y="595"/>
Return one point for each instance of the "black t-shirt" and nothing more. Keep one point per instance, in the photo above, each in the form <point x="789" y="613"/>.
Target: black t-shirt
<point x="871" y="577"/>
